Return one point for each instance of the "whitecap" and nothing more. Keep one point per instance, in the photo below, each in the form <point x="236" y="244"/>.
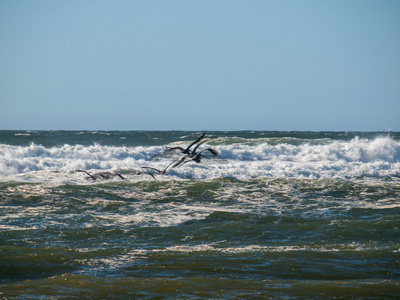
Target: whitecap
<point x="355" y="158"/>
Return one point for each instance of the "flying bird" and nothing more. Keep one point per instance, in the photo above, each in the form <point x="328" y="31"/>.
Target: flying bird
<point x="160" y="171"/>
<point x="187" y="149"/>
<point x="195" y="156"/>
<point x="143" y="172"/>
<point x="87" y="173"/>
<point x="107" y="175"/>
<point x="104" y="175"/>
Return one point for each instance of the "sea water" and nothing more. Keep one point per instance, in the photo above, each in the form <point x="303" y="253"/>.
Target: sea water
<point x="273" y="215"/>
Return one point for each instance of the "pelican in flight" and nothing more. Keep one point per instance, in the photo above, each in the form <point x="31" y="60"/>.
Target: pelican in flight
<point x="159" y="171"/>
<point x="104" y="175"/>
<point x="107" y="175"/>
<point x="143" y="172"/>
<point x="187" y="149"/>
<point x="196" y="156"/>
<point x="87" y="173"/>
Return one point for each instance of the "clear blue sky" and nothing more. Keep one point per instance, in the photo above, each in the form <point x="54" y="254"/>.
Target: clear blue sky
<point x="200" y="65"/>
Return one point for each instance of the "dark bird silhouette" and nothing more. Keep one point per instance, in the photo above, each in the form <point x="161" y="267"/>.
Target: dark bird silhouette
<point x="195" y="156"/>
<point x="194" y="152"/>
<point x="160" y="171"/>
<point x="104" y="175"/>
<point x="87" y="173"/>
<point x="187" y="149"/>
<point x="107" y="175"/>
<point x="143" y="172"/>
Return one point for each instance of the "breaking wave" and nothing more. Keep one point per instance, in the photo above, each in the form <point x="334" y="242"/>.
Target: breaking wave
<point x="331" y="159"/>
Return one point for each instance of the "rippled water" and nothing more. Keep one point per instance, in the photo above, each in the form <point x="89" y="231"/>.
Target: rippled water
<point x="285" y="215"/>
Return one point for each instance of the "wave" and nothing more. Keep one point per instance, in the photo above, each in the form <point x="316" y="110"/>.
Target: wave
<point x="333" y="159"/>
<point x="361" y="150"/>
<point x="20" y="159"/>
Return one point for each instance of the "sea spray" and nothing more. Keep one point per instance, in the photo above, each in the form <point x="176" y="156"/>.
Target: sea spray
<point x="329" y="158"/>
<point x="274" y="215"/>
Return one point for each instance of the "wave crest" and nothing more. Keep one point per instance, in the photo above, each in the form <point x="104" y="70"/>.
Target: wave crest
<point x="361" y="150"/>
<point x="332" y="159"/>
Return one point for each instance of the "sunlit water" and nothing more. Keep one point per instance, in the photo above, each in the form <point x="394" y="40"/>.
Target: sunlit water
<point x="275" y="214"/>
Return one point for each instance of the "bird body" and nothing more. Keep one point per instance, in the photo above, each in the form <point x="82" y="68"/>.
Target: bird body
<point x="104" y="175"/>
<point x="196" y="157"/>
<point x="160" y="171"/>
<point x="187" y="149"/>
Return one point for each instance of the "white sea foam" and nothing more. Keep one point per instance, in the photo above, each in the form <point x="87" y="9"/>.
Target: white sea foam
<point x="334" y="159"/>
<point x="214" y="247"/>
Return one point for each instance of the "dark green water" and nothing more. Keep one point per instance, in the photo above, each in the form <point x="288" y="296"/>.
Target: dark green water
<point x="212" y="230"/>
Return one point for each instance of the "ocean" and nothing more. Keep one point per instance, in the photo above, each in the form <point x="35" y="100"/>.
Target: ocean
<point x="285" y="215"/>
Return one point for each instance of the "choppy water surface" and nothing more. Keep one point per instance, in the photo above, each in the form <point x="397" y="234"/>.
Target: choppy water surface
<point x="275" y="214"/>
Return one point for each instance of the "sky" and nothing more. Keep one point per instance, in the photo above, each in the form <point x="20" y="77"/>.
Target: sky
<point x="200" y="65"/>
